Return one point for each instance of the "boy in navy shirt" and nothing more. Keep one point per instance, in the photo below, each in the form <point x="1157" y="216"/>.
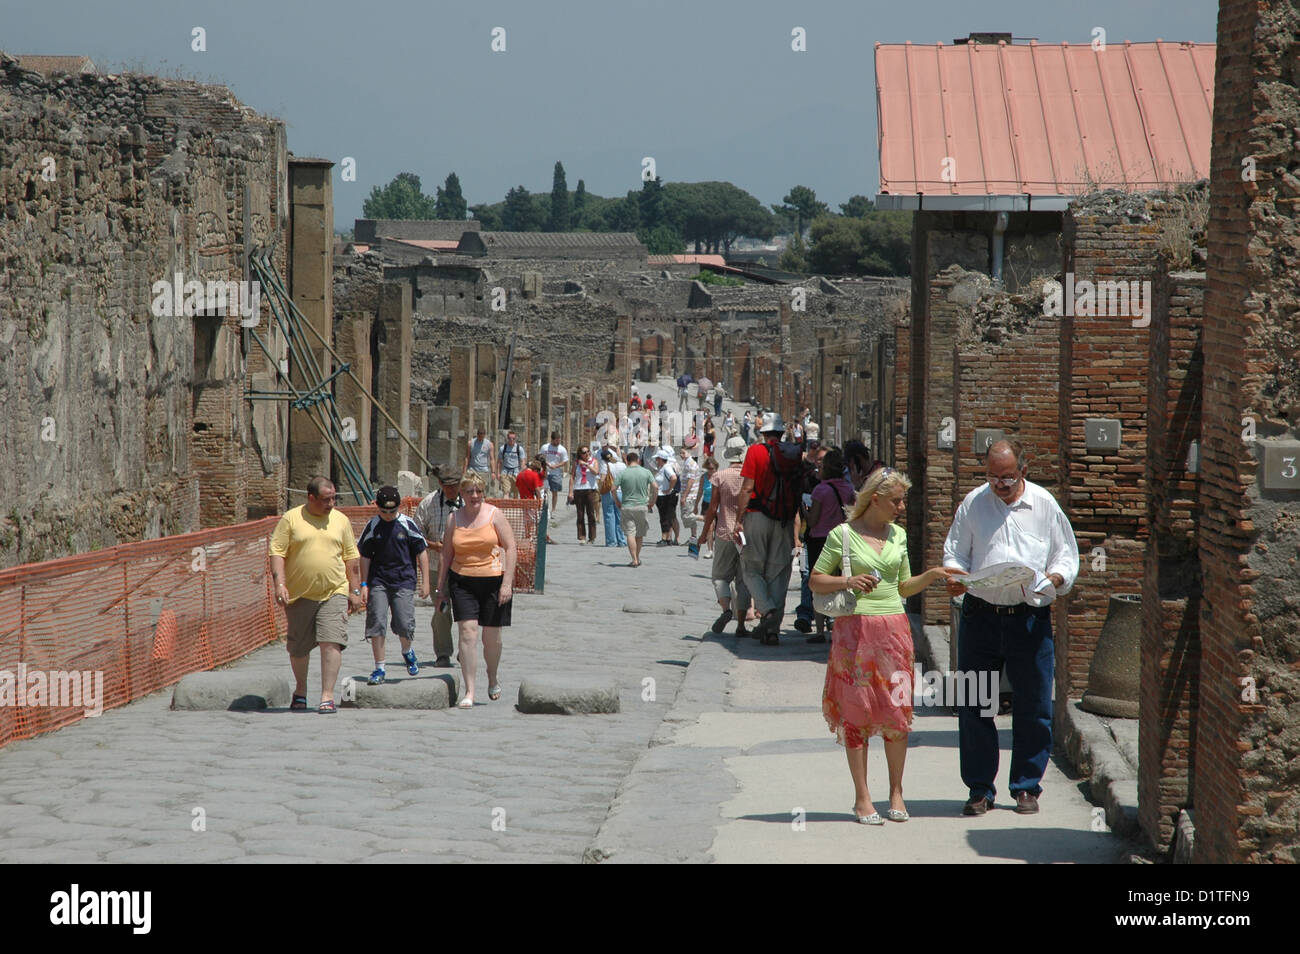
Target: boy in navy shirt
<point x="392" y="548"/>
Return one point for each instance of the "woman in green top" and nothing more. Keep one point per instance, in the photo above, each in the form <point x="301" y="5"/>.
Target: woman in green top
<point x="869" y="673"/>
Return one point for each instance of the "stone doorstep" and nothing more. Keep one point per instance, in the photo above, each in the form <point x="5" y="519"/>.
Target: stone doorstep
<point x="1106" y="755"/>
<point x="431" y="689"/>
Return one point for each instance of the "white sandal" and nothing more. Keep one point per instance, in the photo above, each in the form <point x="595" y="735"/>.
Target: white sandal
<point x="466" y="703"/>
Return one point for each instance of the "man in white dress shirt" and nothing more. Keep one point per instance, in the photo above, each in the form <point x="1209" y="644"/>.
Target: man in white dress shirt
<point x="1009" y="520"/>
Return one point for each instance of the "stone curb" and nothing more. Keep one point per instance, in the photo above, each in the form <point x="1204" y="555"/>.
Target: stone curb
<point x="1092" y="749"/>
<point x="229" y="690"/>
<point x="651" y="791"/>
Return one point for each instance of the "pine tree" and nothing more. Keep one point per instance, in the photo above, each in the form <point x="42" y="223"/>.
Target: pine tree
<point x="559" y="220"/>
<point x="451" y="202"/>
<point x="579" y="205"/>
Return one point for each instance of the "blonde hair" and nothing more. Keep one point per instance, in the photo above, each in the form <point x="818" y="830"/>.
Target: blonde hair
<point x="473" y="479"/>
<point x="885" y="480"/>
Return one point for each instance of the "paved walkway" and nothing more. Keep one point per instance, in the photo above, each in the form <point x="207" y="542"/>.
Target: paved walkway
<point x="726" y="760"/>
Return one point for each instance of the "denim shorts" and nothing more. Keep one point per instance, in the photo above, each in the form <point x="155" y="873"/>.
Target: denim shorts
<point x="384" y="599"/>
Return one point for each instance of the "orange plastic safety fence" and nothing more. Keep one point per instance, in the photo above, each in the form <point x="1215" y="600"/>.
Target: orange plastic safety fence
<point x="94" y="631"/>
<point x="521" y="514"/>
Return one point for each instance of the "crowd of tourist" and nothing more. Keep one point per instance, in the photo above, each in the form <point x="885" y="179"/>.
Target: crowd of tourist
<point x="779" y="497"/>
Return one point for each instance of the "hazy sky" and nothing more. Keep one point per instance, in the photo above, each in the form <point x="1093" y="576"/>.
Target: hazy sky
<point x="710" y="88"/>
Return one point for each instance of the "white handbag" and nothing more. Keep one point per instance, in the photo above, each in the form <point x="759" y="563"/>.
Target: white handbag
<point x="840" y="602"/>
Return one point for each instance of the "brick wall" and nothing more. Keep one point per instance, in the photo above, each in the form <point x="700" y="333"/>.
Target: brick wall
<point x="1247" y="795"/>
<point x="1007" y="370"/>
<point x="902" y="382"/>
<point x="1171" y="585"/>
<point x="1104" y="367"/>
<point x="948" y="306"/>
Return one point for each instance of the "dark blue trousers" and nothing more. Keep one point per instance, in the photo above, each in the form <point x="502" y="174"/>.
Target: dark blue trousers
<point x="1024" y="644"/>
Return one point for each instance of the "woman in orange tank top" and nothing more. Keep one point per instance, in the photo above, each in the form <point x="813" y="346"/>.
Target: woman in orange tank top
<point x="477" y="573"/>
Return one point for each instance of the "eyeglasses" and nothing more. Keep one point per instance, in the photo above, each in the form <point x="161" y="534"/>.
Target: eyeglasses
<point x="1005" y="481"/>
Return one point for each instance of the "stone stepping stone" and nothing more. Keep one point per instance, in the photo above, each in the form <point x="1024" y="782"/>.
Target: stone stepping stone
<point x="658" y="609"/>
<point x="439" y="689"/>
<point x="231" y="690"/>
<point x="568" y="695"/>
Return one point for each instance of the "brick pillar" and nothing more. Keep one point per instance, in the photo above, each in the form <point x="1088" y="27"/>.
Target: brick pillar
<point x="311" y="243"/>
<point x="1244" y="779"/>
<point x="633" y="360"/>
<point x="393" y="381"/>
<point x="520" y="382"/>
<point x="419" y="432"/>
<point x="902" y="374"/>
<point x="1104" y="368"/>
<point x="936" y="507"/>
<point x="352" y="342"/>
<point x="546" y="399"/>
<point x="485" y="387"/>
<point x="464" y="386"/>
<point x="445" y="449"/>
<point x="1171" y="587"/>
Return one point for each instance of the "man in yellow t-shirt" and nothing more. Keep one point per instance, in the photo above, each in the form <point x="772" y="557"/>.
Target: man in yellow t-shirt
<point x="316" y="572"/>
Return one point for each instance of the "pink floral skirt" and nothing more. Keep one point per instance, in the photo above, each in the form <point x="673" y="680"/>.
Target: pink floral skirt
<point x="869" y="679"/>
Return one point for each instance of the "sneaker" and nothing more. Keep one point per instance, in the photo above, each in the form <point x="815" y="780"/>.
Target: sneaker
<point x="412" y="666"/>
<point x="803" y="625"/>
<point x="376" y="677"/>
<point x="721" y="622"/>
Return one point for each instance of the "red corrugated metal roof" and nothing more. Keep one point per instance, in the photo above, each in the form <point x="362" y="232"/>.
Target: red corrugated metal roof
<point x="1042" y="119"/>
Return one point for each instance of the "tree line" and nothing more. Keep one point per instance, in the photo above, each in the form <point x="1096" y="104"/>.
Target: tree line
<point x="670" y="217"/>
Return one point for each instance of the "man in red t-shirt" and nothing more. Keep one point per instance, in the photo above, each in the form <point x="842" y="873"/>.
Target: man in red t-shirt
<point x="529" y="483"/>
<point x="649" y="404"/>
<point x="765" y="556"/>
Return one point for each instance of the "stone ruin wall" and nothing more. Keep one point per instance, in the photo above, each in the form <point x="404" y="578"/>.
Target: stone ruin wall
<point x="1246" y="778"/>
<point x="573" y="324"/>
<point x="148" y="177"/>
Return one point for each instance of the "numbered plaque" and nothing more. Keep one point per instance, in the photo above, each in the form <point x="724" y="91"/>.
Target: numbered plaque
<point x="986" y="437"/>
<point x="1101" y="434"/>
<point x="1279" y="464"/>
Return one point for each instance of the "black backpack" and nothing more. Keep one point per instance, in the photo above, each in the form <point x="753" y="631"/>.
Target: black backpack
<point x="791" y="475"/>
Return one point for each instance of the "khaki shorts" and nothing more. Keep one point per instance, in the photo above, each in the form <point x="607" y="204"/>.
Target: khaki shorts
<point x="311" y="622"/>
<point x="635" y="523"/>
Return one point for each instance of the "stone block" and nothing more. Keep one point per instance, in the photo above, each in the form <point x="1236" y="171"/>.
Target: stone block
<point x="568" y="695"/>
<point x="431" y="689"/>
<point x="669" y="609"/>
<point x="409" y="484"/>
<point x="1102" y="433"/>
<point x="1279" y="464"/>
<point x="229" y="690"/>
<point x="986" y="437"/>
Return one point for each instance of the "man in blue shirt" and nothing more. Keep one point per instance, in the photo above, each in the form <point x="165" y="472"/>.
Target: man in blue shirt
<point x="392" y="548"/>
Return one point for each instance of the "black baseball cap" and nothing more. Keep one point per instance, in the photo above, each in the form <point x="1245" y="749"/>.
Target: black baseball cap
<point x="388" y="497"/>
